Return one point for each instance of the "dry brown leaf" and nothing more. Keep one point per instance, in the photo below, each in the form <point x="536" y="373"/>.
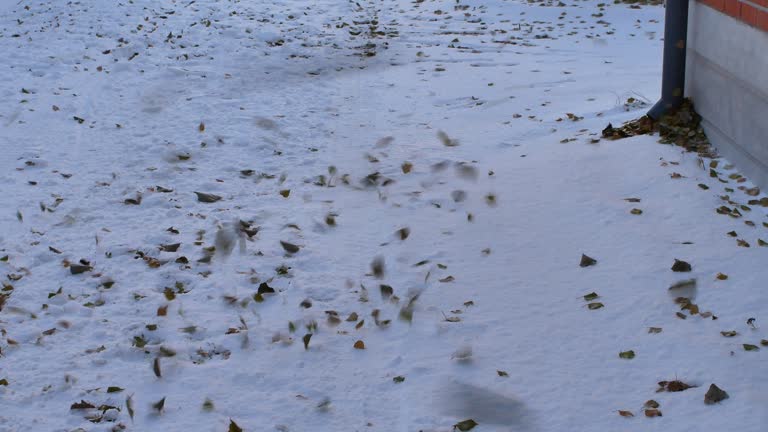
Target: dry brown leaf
<point x="651" y="404"/>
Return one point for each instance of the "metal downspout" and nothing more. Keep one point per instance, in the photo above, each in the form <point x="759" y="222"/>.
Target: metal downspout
<point x="673" y="75"/>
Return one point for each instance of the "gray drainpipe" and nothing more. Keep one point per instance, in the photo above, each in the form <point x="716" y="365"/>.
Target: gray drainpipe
<point x="673" y="75"/>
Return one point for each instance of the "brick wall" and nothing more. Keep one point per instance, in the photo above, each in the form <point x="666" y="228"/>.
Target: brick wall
<point x="751" y="12"/>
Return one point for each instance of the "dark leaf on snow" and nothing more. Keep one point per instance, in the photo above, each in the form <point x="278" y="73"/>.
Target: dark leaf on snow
<point x="82" y="405"/>
<point x="371" y="179"/>
<point x="628" y="355"/>
<point x="208" y="405"/>
<point x="681" y="266"/>
<point x="170" y="247"/>
<point x="714" y="395"/>
<point x="386" y="291"/>
<point x="591" y="296"/>
<point x="688" y="283"/>
<point x="206" y="197"/>
<point x="377" y="267"/>
<point x="166" y="352"/>
<point x="233" y="427"/>
<point x="248" y="229"/>
<point x="651" y="404"/>
<point x="78" y="268"/>
<point x="133" y="201"/>
<point x="159" y="405"/>
<point x="156" y="367"/>
<point x="587" y="261"/>
<point x="129" y="406"/>
<point x="265" y="289"/>
<point x="673" y="386"/>
<point x="465" y="425"/>
<point x="289" y="247"/>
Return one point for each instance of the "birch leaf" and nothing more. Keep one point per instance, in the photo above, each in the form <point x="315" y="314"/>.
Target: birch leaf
<point x="206" y="197"/>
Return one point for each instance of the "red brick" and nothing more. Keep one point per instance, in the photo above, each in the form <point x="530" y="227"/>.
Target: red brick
<point x="733" y="8"/>
<point x="762" y="20"/>
<point x="749" y="14"/>
<point x="763" y="3"/>
<point x="716" y="4"/>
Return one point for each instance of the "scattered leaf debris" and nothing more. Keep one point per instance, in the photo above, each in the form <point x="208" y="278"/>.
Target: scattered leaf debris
<point x="681" y="266"/>
<point x="587" y="261"/>
<point x="715" y="395"/>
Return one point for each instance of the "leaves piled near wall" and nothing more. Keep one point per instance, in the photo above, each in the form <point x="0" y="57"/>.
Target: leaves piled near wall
<point x="680" y="127"/>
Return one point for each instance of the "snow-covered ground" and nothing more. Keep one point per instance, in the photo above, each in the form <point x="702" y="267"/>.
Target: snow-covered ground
<point x="438" y="165"/>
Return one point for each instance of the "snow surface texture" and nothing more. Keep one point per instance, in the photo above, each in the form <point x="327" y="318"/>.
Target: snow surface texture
<point x="115" y="112"/>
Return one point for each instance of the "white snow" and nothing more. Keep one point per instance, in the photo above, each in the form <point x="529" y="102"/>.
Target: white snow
<point x="187" y="95"/>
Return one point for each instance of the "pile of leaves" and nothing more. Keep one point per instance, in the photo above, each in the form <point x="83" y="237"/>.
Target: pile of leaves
<point x="681" y="127"/>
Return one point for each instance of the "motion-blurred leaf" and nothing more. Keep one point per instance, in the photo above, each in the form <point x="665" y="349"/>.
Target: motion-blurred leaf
<point x="465" y="425"/>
